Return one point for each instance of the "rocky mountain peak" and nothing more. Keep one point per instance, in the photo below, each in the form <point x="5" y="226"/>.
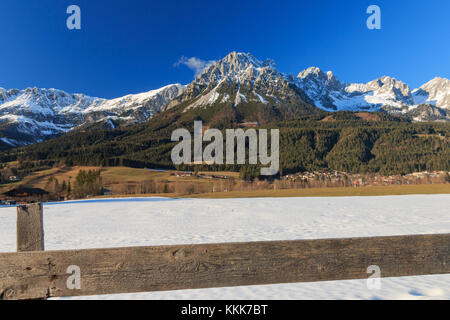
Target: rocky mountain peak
<point x="389" y="91"/>
<point x="312" y="72"/>
<point x="240" y="79"/>
<point x="435" y="92"/>
<point x="34" y="113"/>
<point x="320" y="78"/>
<point x="436" y="85"/>
<point x="236" y="82"/>
<point x="234" y="65"/>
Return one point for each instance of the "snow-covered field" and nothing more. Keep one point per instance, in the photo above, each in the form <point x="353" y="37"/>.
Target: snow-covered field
<point x="160" y="221"/>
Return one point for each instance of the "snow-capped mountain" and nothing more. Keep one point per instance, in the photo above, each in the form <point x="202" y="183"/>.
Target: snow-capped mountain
<point x="435" y="92"/>
<point x="33" y="114"/>
<point x="137" y="107"/>
<point x="239" y="87"/>
<point x="331" y="94"/>
<point x="385" y="93"/>
<point x="323" y="88"/>
<point x="241" y="80"/>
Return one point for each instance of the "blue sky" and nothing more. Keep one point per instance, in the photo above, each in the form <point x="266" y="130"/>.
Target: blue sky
<point x="132" y="46"/>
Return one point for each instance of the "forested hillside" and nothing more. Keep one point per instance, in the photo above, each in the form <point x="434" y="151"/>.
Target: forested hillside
<point x="339" y="141"/>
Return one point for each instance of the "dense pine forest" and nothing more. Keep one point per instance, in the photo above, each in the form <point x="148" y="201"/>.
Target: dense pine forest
<point x="342" y="141"/>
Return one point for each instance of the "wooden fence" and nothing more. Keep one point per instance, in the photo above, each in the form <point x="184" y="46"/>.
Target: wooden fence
<point x="33" y="273"/>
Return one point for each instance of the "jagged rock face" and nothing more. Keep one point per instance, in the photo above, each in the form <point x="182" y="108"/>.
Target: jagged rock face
<point x="240" y="79"/>
<point x="34" y="114"/>
<point x="435" y="92"/>
<point x="138" y="107"/>
<point x="322" y="88"/>
<point x="330" y="94"/>
<point x="428" y="112"/>
<point x="317" y="76"/>
<point x="237" y="82"/>
<point x="40" y="104"/>
<point x="385" y="93"/>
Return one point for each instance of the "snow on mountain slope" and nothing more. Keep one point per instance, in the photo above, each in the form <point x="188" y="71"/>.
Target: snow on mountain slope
<point x="151" y="101"/>
<point x="385" y="91"/>
<point x="329" y="93"/>
<point x="430" y="102"/>
<point x="323" y="89"/>
<point x="435" y="92"/>
<point x="253" y="89"/>
<point x="44" y="102"/>
<point x="241" y="79"/>
<point x="33" y="114"/>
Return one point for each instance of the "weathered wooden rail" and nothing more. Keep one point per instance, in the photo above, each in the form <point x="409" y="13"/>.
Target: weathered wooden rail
<point x="42" y="274"/>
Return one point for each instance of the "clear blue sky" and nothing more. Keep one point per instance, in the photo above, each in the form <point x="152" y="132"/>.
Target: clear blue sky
<point x="130" y="46"/>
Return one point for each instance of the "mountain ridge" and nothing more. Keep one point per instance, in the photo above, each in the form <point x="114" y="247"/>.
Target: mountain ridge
<point x="239" y="84"/>
<point x="34" y="114"/>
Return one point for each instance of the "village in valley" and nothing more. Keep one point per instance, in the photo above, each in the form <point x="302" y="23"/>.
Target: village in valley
<point x="337" y="178"/>
<point x="59" y="184"/>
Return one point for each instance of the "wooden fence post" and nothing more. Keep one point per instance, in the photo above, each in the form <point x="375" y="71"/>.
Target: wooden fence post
<point x="46" y="274"/>
<point x="30" y="227"/>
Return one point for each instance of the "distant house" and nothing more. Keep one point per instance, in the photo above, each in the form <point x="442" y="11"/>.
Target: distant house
<point x="184" y="174"/>
<point x="23" y="192"/>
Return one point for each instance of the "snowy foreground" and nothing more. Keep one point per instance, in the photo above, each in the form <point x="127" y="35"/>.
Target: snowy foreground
<point x="160" y="221"/>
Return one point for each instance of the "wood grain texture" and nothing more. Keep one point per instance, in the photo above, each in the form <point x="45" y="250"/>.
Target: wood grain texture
<point x="34" y="275"/>
<point x="30" y="228"/>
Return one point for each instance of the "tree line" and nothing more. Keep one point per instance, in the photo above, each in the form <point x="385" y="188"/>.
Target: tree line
<point x="388" y="146"/>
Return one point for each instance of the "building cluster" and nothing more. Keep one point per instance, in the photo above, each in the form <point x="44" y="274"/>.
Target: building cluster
<point x="22" y="195"/>
<point x="182" y="174"/>
<point x="426" y="174"/>
<point x="203" y="176"/>
<point x="319" y="176"/>
<point x="366" y="179"/>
